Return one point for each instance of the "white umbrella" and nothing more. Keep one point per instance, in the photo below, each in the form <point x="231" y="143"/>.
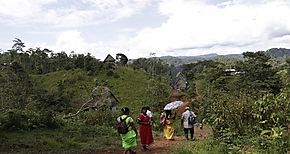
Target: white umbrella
<point x="173" y="105"/>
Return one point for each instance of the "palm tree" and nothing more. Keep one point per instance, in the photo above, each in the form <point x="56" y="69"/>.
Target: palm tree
<point x="18" y="45"/>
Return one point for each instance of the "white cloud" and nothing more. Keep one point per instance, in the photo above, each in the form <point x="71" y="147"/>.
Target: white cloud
<point x="119" y="8"/>
<point x="195" y="27"/>
<point x="72" y="40"/>
<point x="128" y="30"/>
<point x="73" y="14"/>
<point x="21" y="8"/>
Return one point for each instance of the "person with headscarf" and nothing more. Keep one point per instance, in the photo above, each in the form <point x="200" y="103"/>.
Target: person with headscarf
<point x="129" y="139"/>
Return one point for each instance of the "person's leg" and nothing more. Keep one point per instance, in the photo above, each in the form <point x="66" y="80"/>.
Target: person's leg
<point x="185" y="133"/>
<point x="132" y="151"/>
<point x="147" y="147"/>
<point x="129" y="151"/>
<point x="144" y="147"/>
<point x="126" y="151"/>
<point x="191" y="132"/>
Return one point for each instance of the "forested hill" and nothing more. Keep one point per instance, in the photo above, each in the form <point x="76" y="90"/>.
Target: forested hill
<point x="277" y="53"/>
<point x="42" y="79"/>
<point x="245" y="101"/>
<point x="40" y="88"/>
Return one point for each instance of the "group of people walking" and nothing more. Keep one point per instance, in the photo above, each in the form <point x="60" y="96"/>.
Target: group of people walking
<point x="167" y="119"/>
<point x="145" y="121"/>
<point x="129" y="138"/>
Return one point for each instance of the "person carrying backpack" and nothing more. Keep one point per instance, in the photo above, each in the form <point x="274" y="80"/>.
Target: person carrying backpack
<point x="188" y="119"/>
<point x="127" y="130"/>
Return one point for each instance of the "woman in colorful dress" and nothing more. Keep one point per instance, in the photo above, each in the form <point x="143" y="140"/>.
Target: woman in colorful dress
<point x="129" y="142"/>
<point x="168" y="129"/>
<point x="145" y="130"/>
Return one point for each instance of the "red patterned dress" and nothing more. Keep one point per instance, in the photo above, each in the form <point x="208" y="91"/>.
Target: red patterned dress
<point x="145" y="131"/>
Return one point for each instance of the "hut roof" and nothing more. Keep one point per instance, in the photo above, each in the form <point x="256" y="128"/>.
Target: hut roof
<point x="109" y="58"/>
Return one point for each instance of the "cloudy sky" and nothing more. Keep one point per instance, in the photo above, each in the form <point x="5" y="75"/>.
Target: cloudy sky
<point x="139" y="27"/>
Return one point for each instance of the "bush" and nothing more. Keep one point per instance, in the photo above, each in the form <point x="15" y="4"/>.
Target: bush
<point x="273" y="143"/>
<point x="49" y="120"/>
<point x="113" y="74"/>
<point x="77" y="127"/>
<point x="27" y="120"/>
<point x="13" y="120"/>
<point x="205" y="146"/>
<point x="99" y="117"/>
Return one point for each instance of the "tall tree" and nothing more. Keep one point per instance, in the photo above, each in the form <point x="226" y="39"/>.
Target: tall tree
<point x="258" y="75"/>
<point x="18" y="45"/>
<point x="121" y="59"/>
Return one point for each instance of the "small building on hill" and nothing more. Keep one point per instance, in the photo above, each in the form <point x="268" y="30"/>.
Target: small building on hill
<point x="180" y="82"/>
<point x="110" y="59"/>
<point x="232" y="72"/>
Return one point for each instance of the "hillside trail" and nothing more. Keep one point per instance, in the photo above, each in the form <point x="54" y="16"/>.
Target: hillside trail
<point x="163" y="146"/>
<point x="160" y="145"/>
<point x="198" y="95"/>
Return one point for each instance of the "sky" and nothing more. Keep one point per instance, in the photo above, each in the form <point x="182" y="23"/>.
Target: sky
<point x="137" y="28"/>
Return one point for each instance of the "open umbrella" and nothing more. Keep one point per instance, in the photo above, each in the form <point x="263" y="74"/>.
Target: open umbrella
<point x="173" y="105"/>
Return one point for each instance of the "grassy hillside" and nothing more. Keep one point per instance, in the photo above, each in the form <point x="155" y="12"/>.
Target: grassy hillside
<point x="76" y="83"/>
<point x="90" y="130"/>
<point x="128" y="85"/>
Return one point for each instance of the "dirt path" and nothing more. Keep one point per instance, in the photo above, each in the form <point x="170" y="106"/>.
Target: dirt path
<point x="198" y="95"/>
<point x="161" y="145"/>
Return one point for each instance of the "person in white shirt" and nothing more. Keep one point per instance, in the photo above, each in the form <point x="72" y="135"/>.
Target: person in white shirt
<point x="148" y="112"/>
<point x="186" y="125"/>
<point x="150" y="115"/>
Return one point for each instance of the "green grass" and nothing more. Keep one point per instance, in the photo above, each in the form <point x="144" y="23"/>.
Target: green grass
<point x="198" y="147"/>
<point x="127" y="84"/>
<point x="60" y="140"/>
<point x="76" y="83"/>
<point x="129" y="87"/>
<point x="246" y="145"/>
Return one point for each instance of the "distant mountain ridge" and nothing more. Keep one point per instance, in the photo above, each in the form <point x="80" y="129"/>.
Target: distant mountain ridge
<point x="179" y="60"/>
<point x="276" y="53"/>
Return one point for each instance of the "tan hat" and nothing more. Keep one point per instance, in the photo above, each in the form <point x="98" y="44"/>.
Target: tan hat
<point x="187" y="108"/>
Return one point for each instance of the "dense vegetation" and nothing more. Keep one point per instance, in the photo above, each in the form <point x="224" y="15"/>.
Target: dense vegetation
<point x="39" y="87"/>
<point x="244" y="100"/>
<point x="248" y="109"/>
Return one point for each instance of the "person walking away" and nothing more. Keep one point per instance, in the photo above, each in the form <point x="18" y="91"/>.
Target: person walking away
<point x="187" y="122"/>
<point x="129" y="138"/>
<point x="168" y="129"/>
<point x="150" y="115"/>
<point x="145" y="129"/>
